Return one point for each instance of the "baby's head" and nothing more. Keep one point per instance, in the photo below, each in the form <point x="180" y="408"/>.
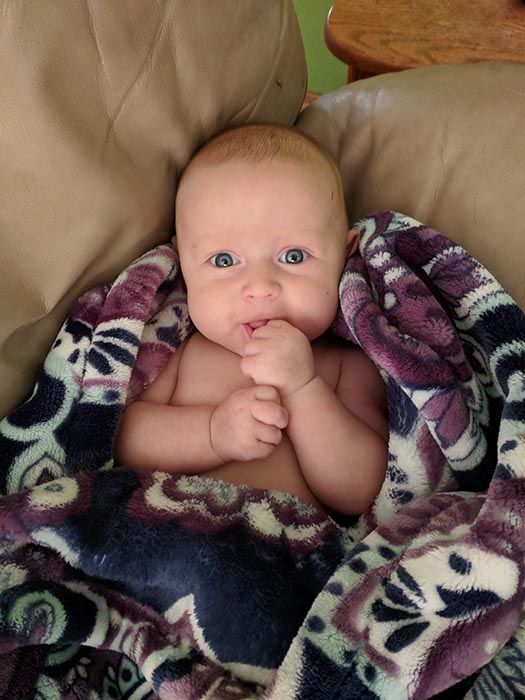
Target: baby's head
<point x="262" y="233"/>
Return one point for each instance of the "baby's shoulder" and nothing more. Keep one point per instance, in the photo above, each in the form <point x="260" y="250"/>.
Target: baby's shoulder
<point x="331" y="348"/>
<point x="330" y="354"/>
<point x="354" y="366"/>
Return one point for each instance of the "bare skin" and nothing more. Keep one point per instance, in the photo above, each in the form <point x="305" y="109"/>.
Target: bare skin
<point x="204" y="375"/>
<point x="258" y="396"/>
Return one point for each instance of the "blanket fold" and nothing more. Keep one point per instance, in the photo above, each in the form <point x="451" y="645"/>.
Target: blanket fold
<point x="115" y="584"/>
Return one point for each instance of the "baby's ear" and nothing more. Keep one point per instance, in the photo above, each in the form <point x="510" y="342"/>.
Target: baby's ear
<point x="174" y="242"/>
<point x="352" y="241"/>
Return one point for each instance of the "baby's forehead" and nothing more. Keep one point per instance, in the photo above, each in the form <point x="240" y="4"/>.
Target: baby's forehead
<point x="215" y="188"/>
<point x="311" y="162"/>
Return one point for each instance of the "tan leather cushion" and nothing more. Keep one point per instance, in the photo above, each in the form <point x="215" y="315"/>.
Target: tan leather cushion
<point x="101" y="104"/>
<point x="445" y="145"/>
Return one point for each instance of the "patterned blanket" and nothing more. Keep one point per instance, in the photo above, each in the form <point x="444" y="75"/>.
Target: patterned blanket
<point x="120" y="585"/>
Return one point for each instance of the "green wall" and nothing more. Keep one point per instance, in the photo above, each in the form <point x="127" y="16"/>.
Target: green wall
<point x="325" y="71"/>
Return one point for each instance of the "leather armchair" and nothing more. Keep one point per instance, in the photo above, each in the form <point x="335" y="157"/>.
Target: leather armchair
<point x="442" y="144"/>
<point x="102" y="105"/>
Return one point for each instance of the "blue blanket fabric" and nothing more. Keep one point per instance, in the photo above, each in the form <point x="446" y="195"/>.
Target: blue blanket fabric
<point x="120" y="585"/>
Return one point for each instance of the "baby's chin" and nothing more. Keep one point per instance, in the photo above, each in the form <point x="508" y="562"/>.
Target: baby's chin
<point x="237" y="347"/>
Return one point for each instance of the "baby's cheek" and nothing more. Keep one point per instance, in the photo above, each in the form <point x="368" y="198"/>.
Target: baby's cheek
<point x="201" y="315"/>
<point x="322" y="317"/>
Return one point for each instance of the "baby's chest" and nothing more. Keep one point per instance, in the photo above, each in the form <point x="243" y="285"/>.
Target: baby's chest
<point x="208" y="374"/>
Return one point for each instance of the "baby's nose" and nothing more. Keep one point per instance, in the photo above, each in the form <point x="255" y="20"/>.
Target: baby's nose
<point x="261" y="283"/>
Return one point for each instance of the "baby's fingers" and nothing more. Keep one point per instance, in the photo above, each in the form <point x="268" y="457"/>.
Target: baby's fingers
<point x="270" y="413"/>
<point x="263" y="392"/>
<point x="268" y="434"/>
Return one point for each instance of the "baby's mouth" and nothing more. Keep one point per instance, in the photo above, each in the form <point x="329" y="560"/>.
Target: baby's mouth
<point x="253" y="325"/>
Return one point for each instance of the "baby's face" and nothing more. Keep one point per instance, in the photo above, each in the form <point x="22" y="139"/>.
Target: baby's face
<point x="259" y="242"/>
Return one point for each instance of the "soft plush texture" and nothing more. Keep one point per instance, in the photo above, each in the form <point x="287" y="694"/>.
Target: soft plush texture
<point x="159" y="586"/>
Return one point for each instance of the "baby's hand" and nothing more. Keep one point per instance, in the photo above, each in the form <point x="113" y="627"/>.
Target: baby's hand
<point x="280" y="355"/>
<point x="248" y="425"/>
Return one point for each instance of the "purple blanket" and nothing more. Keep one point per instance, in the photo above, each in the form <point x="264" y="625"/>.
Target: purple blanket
<point x="119" y="585"/>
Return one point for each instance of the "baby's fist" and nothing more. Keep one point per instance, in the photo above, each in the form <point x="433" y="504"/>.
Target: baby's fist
<point x="279" y="354"/>
<point x="248" y="424"/>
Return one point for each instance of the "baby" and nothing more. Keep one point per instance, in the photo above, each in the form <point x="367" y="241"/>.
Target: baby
<point x="258" y="394"/>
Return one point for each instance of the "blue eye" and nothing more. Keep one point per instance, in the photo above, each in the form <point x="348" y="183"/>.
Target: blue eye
<point x="223" y="260"/>
<point x="294" y="256"/>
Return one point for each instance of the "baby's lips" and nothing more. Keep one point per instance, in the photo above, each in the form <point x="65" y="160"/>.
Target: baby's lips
<point x="253" y="325"/>
<point x="257" y="324"/>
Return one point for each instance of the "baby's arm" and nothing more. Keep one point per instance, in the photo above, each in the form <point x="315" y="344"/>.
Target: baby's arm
<point x="340" y="438"/>
<point x="154" y="434"/>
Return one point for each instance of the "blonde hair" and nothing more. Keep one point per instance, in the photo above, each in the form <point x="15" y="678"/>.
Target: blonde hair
<point x="256" y="143"/>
